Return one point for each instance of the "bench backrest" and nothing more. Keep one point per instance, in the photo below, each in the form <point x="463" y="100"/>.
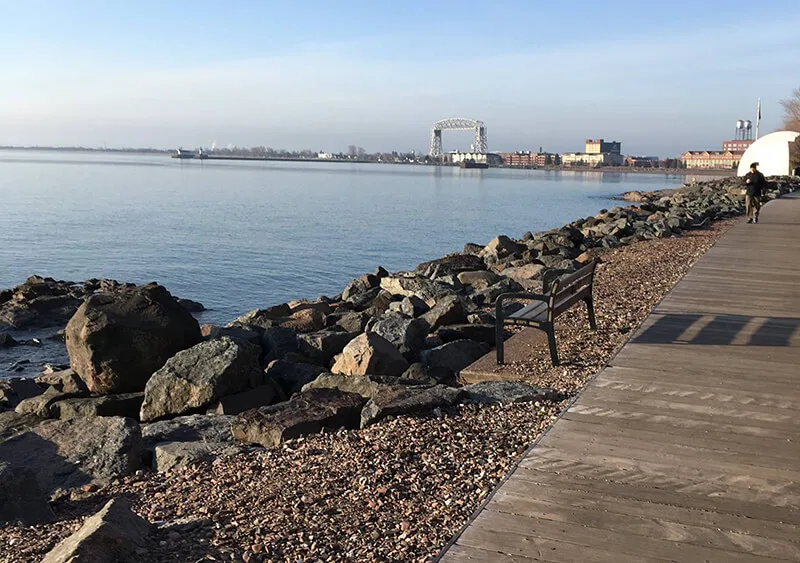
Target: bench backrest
<point x="571" y="288"/>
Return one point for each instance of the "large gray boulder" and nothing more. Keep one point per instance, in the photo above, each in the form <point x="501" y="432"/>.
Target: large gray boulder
<point x="370" y="353"/>
<point x="322" y="346"/>
<point x="277" y="342"/>
<point x="65" y="381"/>
<point x="479" y="279"/>
<point x="193" y="428"/>
<point x="169" y="456"/>
<point x="406" y="400"/>
<point x="448" y="310"/>
<point x="113" y="534"/>
<point x="13" y="423"/>
<point x="450" y="265"/>
<point x="290" y="376"/>
<point x="117" y="340"/>
<point x="406" y="286"/>
<point x="455" y="355"/>
<point x="260" y="396"/>
<point x="502" y="247"/>
<point x="263" y="318"/>
<point x="65" y="454"/>
<point x="480" y="332"/>
<point x="406" y="334"/>
<point x="124" y="404"/>
<point x="305" y="413"/>
<point x="40" y="405"/>
<point x="21" y="499"/>
<point x="364" y="385"/>
<point x="198" y="376"/>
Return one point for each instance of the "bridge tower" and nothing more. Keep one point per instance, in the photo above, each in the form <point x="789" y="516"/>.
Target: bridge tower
<point x="480" y="145"/>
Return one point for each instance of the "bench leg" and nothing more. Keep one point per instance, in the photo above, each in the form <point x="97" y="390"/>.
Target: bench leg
<point x="551" y="340"/>
<point x="499" y="342"/>
<point x="590" y="309"/>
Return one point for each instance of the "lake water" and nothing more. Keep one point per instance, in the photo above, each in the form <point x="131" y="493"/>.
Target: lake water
<point x="241" y="235"/>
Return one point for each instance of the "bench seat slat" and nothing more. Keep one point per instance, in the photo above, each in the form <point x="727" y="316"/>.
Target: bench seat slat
<point x="536" y="311"/>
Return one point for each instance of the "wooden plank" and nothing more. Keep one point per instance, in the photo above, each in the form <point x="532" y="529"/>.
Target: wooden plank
<point x="668" y="490"/>
<point x="522" y="491"/>
<point x="686" y="446"/>
<point x="654" y="525"/>
<point x="619" y="543"/>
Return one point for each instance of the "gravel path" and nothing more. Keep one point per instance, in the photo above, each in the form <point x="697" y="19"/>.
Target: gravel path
<point x="397" y="491"/>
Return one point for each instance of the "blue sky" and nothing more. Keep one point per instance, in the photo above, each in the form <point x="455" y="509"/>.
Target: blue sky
<point x="323" y="75"/>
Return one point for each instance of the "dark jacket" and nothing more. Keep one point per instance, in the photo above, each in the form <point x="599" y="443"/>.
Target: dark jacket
<point x="757" y="183"/>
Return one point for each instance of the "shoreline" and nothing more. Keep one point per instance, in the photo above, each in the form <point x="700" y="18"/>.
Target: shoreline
<point x="401" y="488"/>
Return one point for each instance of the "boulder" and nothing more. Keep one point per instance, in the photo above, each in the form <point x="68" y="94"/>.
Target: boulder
<point x="263" y="318"/>
<point x="246" y="333"/>
<point x="405" y="400"/>
<point x="370" y="353"/>
<point x="214" y="428"/>
<point x="359" y="286"/>
<point x="406" y="334"/>
<point x="21" y="500"/>
<point x="65" y="381"/>
<point x="198" y="376"/>
<point x="447" y="311"/>
<point x="322" y="346"/>
<point x="507" y="392"/>
<point x="291" y="376"/>
<point x="65" y="454"/>
<point x="17" y="389"/>
<point x="410" y="306"/>
<point x="456" y="355"/>
<point x="12" y="423"/>
<point x="526" y="274"/>
<point x="450" y="265"/>
<point x="480" y="332"/>
<point x="124" y="404"/>
<point x="113" y="534"/>
<point x="116" y="341"/>
<point x="353" y="321"/>
<point x="191" y="306"/>
<point x="169" y="456"/>
<point x="277" y="342"/>
<point x="506" y="285"/>
<point x="364" y="385"/>
<point x="479" y="280"/>
<point x="305" y="321"/>
<point x="305" y="413"/>
<point x="40" y="404"/>
<point x="427" y="290"/>
<point x="502" y="247"/>
<point x="260" y="396"/>
<point x="418" y="375"/>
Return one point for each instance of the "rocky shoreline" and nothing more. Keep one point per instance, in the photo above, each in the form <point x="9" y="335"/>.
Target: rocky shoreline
<point x="285" y="433"/>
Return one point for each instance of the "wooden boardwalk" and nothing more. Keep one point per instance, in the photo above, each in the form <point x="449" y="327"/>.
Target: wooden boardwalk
<point x="687" y="446"/>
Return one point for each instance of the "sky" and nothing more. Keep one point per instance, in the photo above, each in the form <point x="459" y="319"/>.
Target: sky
<point x="662" y="78"/>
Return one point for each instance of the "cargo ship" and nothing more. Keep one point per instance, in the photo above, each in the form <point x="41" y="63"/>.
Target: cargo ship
<point x="181" y="153"/>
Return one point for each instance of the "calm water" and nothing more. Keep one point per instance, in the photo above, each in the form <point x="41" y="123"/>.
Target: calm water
<point x="241" y="235"/>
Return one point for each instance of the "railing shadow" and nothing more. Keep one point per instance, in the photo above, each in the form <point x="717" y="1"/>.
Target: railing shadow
<point x="721" y="330"/>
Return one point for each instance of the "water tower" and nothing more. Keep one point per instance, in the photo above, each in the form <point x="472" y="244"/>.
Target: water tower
<point x="739" y="129"/>
<point x="748" y="129"/>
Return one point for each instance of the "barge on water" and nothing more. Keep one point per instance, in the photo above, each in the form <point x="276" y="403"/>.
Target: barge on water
<point x="469" y="163"/>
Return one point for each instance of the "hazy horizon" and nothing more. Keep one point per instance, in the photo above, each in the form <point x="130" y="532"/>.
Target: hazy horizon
<point x="187" y="74"/>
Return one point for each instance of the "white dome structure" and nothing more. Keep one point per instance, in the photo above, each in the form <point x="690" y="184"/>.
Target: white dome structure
<point x="771" y="152"/>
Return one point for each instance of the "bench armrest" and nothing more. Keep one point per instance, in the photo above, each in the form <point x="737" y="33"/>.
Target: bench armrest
<point x="522" y="295"/>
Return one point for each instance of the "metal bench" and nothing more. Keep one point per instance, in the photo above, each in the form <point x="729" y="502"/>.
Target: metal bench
<point x="562" y="289"/>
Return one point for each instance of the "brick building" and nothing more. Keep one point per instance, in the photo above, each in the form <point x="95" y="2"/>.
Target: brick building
<point x="710" y="159"/>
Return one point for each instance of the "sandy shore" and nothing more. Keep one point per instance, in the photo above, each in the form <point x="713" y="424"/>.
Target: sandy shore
<point x="397" y="491"/>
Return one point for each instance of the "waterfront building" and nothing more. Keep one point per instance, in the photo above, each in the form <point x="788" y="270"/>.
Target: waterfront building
<point x="737" y="145"/>
<point x="591" y="159"/>
<point x="710" y="159"/>
<point x="642" y="161"/>
<point x="600" y="146"/>
<point x="457" y="157"/>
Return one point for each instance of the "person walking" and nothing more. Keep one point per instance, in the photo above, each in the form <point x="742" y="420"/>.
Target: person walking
<point x="755" y="184"/>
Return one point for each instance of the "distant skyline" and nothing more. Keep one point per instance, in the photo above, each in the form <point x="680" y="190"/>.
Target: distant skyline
<point x="325" y="75"/>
